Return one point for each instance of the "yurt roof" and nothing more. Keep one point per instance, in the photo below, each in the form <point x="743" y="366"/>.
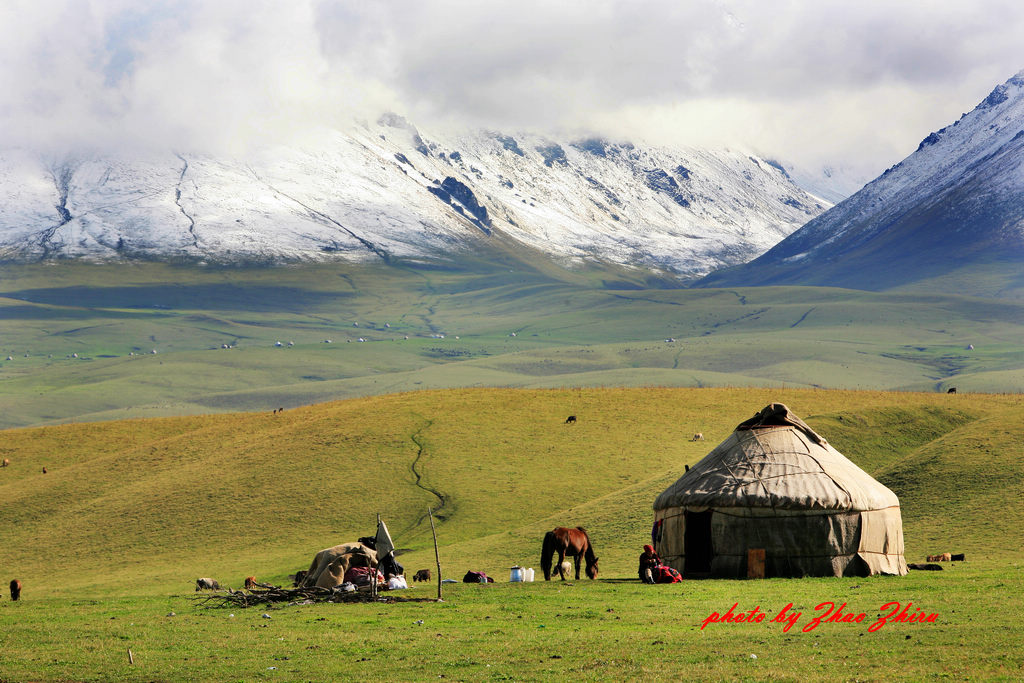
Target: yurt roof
<point x="775" y="461"/>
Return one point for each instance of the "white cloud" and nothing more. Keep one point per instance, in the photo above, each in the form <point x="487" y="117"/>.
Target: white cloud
<point x="809" y="80"/>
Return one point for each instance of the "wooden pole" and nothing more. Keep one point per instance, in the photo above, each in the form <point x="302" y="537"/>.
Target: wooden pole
<point x="373" y="571"/>
<point x="131" y="660"/>
<point x="437" y="557"/>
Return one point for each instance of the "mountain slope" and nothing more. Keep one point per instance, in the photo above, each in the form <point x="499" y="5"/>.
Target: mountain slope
<point x="382" y="192"/>
<point x="953" y="207"/>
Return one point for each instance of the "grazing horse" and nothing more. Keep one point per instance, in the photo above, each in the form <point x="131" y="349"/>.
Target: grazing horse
<point x="571" y="420"/>
<point x="250" y="583"/>
<point x="572" y="542"/>
<point x="951" y="390"/>
<point x="15" y="589"/>
<point x="699" y="436"/>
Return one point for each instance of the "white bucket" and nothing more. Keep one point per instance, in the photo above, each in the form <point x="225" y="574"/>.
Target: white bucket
<point x="517" y="574"/>
<point x="529" y="574"/>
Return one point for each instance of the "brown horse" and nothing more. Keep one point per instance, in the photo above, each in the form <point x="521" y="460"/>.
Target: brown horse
<point x="572" y="542"/>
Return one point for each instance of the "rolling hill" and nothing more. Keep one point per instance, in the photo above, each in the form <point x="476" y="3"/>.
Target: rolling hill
<point x="150" y="504"/>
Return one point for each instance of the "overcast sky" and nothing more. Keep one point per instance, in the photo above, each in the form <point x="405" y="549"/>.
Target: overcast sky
<point x="810" y="81"/>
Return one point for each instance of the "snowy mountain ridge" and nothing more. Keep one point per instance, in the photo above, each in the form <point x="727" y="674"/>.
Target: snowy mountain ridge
<point x="959" y="197"/>
<point x="384" y="191"/>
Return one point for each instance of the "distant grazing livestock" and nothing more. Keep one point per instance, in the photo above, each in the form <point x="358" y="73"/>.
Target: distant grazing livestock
<point x="699" y="436"/>
<point x="421" y="575"/>
<point x="44" y="470"/>
<point x="951" y="390"/>
<point x="925" y="567"/>
<point x="299" y="577"/>
<point x="571" y="420"/>
<point x="15" y="589"/>
<point x="250" y="583"/>
<point x="207" y="584"/>
<point x="323" y="558"/>
<point x="943" y="557"/>
<point x="957" y="557"/>
<point x="6" y="462"/>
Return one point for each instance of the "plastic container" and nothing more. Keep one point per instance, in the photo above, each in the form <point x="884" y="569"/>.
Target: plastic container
<point x="517" y="574"/>
<point x="529" y="574"/>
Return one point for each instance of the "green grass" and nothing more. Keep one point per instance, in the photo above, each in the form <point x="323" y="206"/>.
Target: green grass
<point x="569" y="331"/>
<point x="110" y="539"/>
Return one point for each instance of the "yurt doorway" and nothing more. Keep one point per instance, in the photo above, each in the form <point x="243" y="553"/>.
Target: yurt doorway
<point x="697" y="543"/>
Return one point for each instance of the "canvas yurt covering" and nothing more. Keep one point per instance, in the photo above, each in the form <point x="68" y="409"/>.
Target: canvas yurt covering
<point x="776" y="485"/>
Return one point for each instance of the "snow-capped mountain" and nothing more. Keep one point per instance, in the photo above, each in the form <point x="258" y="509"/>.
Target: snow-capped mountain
<point x="384" y="191"/>
<point x="957" y="201"/>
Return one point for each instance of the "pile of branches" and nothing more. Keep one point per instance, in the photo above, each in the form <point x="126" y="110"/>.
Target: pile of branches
<point x="267" y="594"/>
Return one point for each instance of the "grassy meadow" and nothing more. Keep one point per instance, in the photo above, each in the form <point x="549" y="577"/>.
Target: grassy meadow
<point x="81" y="338"/>
<point x="110" y="540"/>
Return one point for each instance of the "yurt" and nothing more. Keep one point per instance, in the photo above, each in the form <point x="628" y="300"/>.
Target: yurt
<point x="778" y="493"/>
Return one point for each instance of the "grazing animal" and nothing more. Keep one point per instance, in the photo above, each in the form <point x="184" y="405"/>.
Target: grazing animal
<point x="951" y="390"/>
<point x="250" y="583"/>
<point x="571" y="420"/>
<point x="7" y="462"/>
<point x="207" y="584"/>
<point x="328" y="555"/>
<point x="334" y="575"/>
<point x="926" y="567"/>
<point x="572" y="542"/>
<point x="699" y="436"/>
<point x="15" y="589"/>
<point x="44" y="470"/>
<point x="299" y="577"/>
<point x="943" y="557"/>
<point x="957" y="557"/>
<point x="421" y="575"/>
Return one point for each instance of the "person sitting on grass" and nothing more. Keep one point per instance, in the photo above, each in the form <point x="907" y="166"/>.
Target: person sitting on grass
<point x="649" y="561"/>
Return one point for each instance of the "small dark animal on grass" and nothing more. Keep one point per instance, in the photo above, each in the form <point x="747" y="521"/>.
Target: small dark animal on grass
<point x="951" y="390"/>
<point x="421" y="575"/>
<point x="207" y="584"/>
<point x="299" y="577"/>
<point x="572" y="542"/>
<point x="477" y="577"/>
<point x="925" y="567"/>
<point x="15" y="589"/>
<point x="250" y="583"/>
<point x="571" y="420"/>
<point x="44" y="470"/>
<point x="958" y="557"/>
